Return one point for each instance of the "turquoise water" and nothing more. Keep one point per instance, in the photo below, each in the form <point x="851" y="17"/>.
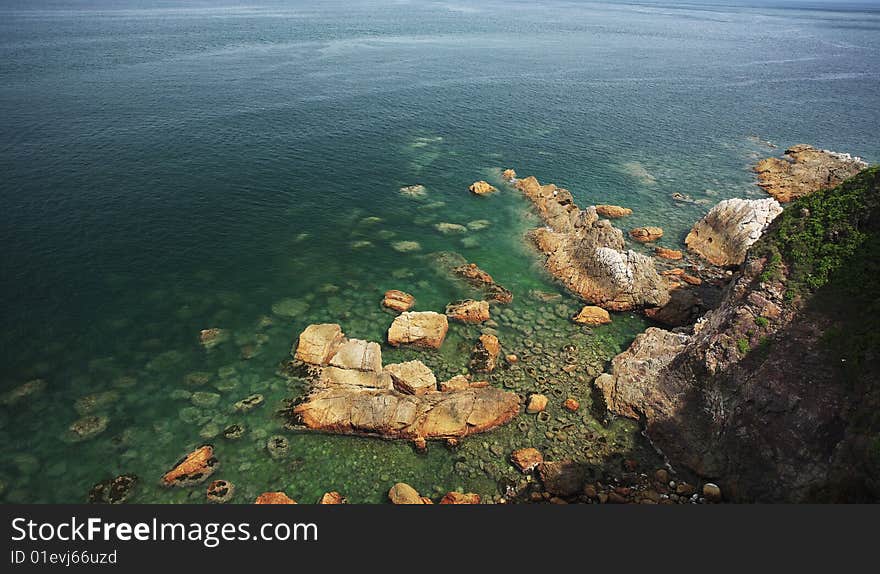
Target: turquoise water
<point x="168" y="167"/>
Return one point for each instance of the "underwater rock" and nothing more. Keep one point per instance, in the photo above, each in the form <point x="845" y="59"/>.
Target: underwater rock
<point x="613" y="211"/>
<point x="87" y="427"/>
<point x="248" y="403"/>
<point x="725" y="234"/>
<point x="406" y="246"/>
<point x="468" y="311"/>
<point x="318" y="343"/>
<point x="192" y="469"/>
<point x="234" y="431"/>
<point x="358" y="355"/>
<point x="399" y="301"/>
<point x="478" y="224"/>
<point x="412" y="377"/>
<point x="197" y="379"/>
<point x="460" y="498"/>
<point x="278" y="446"/>
<point x="402" y="493"/>
<point x="417" y="190"/>
<point x="333" y="498"/>
<point x="586" y="253"/>
<point x="113" y="490"/>
<point x="204" y="399"/>
<point x="592" y="316"/>
<point x="484" y="356"/>
<point x="666" y="253"/>
<point x="23" y="391"/>
<point x="481" y="188"/>
<point x="418" y="328"/>
<point x="482" y="280"/>
<point x="290" y="307"/>
<point x="95" y="402"/>
<point x="646" y="234"/>
<point x="526" y="459"/>
<point x="210" y="338"/>
<point x="804" y="169"/>
<point x="508" y="175"/>
<point x="450" y="228"/>
<point x="274" y="498"/>
<point x="537" y="404"/>
<point x="220" y="491"/>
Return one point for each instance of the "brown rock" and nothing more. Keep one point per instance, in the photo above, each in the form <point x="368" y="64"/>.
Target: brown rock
<point x="804" y="169"/>
<point x="711" y="492"/>
<point x="193" y="468"/>
<point x="398" y="300"/>
<point x="526" y="459"/>
<point x="691" y="280"/>
<point x="274" y="498"/>
<point x="684" y="489"/>
<point x="725" y="234"/>
<point x="482" y="280"/>
<point x="456" y="383"/>
<point x="508" y="175"/>
<point x="459" y="498"/>
<point x="646" y="234"/>
<point x="481" y="188"/>
<point x="562" y="478"/>
<point x="511" y="358"/>
<point x="537" y="404"/>
<point x="613" y="211"/>
<point x="333" y="498"/>
<point x="615" y="498"/>
<point x="571" y="404"/>
<point x="402" y="493"/>
<point x="210" y="338"/>
<point x="592" y="316"/>
<point x="419" y="329"/>
<point x="484" y="356"/>
<point x="412" y="377"/>
<point x="664" y="253"/>
<point x="318" y="343"/>
<point x="468" y="311"/>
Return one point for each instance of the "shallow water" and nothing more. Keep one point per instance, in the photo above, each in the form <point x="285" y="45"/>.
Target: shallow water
<point x="168" y="168"/>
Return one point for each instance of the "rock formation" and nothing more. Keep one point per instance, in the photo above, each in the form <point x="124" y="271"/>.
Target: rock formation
<point x="398" y="300"/>
<point x="587" y="253"/>
<point x="481" y="188"/>
<point x="613" y="211"/>
<point x="724" y="235"/>
<point x="400" y="401"/>
<point x="468" y="311"/>
<point x="418" y="328"/>
<point x="804" y="169"/>
<point x="646" y="234"/>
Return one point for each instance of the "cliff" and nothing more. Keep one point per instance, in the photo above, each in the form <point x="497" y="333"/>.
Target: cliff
<point x="774" y="395"/>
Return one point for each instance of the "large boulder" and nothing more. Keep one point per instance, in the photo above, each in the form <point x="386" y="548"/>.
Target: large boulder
<point x="725" y="234"/>
<point x="804" y="169"/>
<point x="359" y="355"/>
<point x="587" y="253"/>
<point x="418" y="328"/>
<point x="318" y="343"/>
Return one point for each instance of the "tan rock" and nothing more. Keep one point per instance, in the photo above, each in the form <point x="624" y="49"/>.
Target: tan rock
<point x="593" y="316"/>
<point x="484" y="356"/>
<point x="333" y="498"/>
<point x="402" y="493"/>
<point x="537" y="404"/>
<point x="571" y="404"/>
<point x="193" y="468"/>
<point x="613" y="211"/>
<point x="274" y="498"/>
<point x="526" y="459"/>
<point x="456" y="383"/>
<point x="804" y="169"/>
<point x="359" y="355"/>
<point x="468" y="311"/>
<point x="482" y="280"/>
<point x="335" y="376"/>
<point x="481" y="188"/>
<point x="412" y="377"/>
<point x="459" y="498"/>
<point x="508" y="175"/>
<point x="318" y="343"/>
<point x="399" y="301"/>
<point x="210" y="338"/>
<point x="646" y="234"/>
<point x="665" y="253"/>
<point x="419" y="329"/>
<point x="511" y="358"/>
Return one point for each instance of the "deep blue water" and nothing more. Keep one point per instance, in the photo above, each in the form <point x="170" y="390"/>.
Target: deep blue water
<point x="171" y="166"/>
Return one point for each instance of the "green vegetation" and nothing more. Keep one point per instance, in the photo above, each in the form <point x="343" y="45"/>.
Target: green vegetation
<point x="762" y="322"/>
<point x="743" y="345"/>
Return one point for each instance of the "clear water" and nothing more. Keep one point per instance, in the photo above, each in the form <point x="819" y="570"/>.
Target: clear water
<point x="167" y="167"/>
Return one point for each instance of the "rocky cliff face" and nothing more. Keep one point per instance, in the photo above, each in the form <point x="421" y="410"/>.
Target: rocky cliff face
<point x="774" y="394"/>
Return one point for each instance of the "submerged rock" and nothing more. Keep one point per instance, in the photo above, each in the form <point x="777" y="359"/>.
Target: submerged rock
<point x="450" y="228"/>
<point x="725" y="234"/>
<point x="406" y="246"/>
<point x="192" y="469"/>
<point x="562" y="478"/>
<point x="113" y="490"/>
<point x="23" y="392"/>
<point x="419" y="329"/>
<point x="508" y="175"/>
<point x="248" y="403"/>
<point x="87" y="427"/>
<point x="399" y="301"/>
<point x="481" y="188"/>
<point x="417" y="190"/>
<point x="210" y="338"/>
<point x="804" y="169"/>
<point x="274" y="498"/>
<point x="478" y="278"/>
<point x="468" y="311"/>
<point x="220" y="491"/>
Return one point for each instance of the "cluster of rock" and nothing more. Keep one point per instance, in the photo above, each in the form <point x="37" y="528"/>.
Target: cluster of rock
<point x="804" y="169"/>
<point x="352" y="393"/>
<point x="402" y="493"/>
<point x="588" y="254"/>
